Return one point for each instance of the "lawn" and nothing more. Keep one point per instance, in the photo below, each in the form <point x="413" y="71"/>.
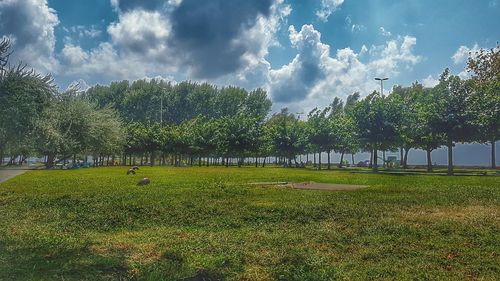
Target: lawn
<point x="209" y="224"/>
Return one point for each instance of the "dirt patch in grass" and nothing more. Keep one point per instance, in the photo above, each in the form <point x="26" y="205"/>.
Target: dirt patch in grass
<point x="310" y="185"/>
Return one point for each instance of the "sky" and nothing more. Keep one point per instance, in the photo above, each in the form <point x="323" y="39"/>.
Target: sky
<point x="303" y="52"/>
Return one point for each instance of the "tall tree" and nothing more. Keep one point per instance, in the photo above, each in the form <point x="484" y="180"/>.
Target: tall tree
<point x="288" y="135"/>
<point x="376" y="120"/>
<point x="24" y="94"/>
<point x="485" y="67"/>
<point x="452" y="96"/>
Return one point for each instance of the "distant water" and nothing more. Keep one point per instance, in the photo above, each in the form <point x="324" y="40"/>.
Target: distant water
<point x="463" y="154"/>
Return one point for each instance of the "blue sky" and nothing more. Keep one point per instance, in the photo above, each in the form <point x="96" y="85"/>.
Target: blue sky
<point x="303" y="53"/>
<point x="99" y="41"/>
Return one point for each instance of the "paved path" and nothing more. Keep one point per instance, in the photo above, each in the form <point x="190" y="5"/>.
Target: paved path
<point x="9" y="173"/>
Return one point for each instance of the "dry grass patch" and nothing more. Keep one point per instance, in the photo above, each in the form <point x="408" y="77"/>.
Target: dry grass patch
<point x="471" y="213"/>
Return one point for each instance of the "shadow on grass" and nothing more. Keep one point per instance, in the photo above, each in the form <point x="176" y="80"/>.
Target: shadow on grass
<point x="38" y="261"/>
<point x="50" y="262"/>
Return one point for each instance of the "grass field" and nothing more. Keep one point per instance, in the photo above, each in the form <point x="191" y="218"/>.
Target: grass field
<point x="209" y="224"/>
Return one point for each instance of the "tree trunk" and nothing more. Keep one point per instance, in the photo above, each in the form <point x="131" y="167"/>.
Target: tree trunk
<point x="256" y="162"/>
<point x="319" y="160"/>
<point x="314" y="154"/>
<point x="352" y="159"/>
<point x="450" y="156"/>
<point x="493" y="158"/>
<point x="371" y="159"/>
<point x="375" y="160"/>
<point x="50" y="161"/>
<point x="341" y="159"/>
<point x="328" y="159"/>
<point x="405" y="161"/>
<point x="401" y="157"/>
<point x="264" y="162"/>
<point x="429" y="160"/>
<point x="383" y="158"/>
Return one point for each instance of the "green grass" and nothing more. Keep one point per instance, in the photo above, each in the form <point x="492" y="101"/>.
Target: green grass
<point x="209" y="224"/>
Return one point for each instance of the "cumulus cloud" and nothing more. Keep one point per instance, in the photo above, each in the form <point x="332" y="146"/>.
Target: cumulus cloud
<point x="327" y="8"/>
<point x="258" y="40"/>
<point x="314" y="76"/>
<point x="463" y="53"/>
<point x="30" y="24"/>
<point x="141" y="31"/>
<point x="430" y="81"/>
<point x="294" y="81"/>
<point x="211" y="43"/>
<point x="73" y="55"/>
<point x="207" y="32"/>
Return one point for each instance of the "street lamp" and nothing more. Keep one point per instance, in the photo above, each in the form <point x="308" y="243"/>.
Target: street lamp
<point x="381" y="84"/>
<point x="382" y="94"/>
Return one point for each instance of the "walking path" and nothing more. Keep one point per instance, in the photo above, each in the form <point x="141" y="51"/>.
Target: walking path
<point x="9" y="173"/>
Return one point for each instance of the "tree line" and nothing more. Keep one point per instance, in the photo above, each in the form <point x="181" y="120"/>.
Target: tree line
<point x="157" y="122"/>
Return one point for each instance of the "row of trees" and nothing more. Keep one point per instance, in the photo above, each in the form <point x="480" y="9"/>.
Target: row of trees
<point x="149" y="121"/>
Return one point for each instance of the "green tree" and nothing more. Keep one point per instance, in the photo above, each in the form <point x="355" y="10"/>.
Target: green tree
<point x="287" y="134"/>
<point x="376" y="119"/>
<point x="453" y="98"/>
<point x="24" y="94"/>
<point x="485" y="67"/>
<point x="74" y="126"/>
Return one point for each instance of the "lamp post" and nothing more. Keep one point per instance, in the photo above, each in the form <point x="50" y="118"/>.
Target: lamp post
<point x="382" y="94"/>
<point x="381" y="84"/>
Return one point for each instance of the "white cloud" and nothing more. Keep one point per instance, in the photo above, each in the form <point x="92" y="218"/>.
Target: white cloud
<point x="259" y="39"/>
<point x="140" y="31"/>
<point x="82" y="31"/>
<point x="353" y="27"/>
<point x="430" y="81"/>
<point x="357" y="28"/>
<point x="142" y="46"/>
<point x="463" y="53"/>
<point x="385" y="32"/>
<point x="315" y="76"/>
<point x="73" y="55"/>
<point x="327" y="8"/>
<point x="30" y="24"/>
